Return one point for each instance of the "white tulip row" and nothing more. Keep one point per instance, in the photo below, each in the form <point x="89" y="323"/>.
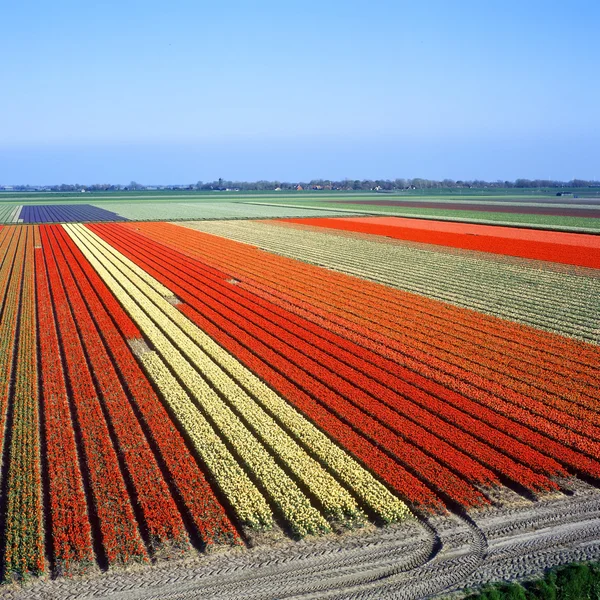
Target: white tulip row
<point x="334" y="499"/>
<point x="294" y="506"/>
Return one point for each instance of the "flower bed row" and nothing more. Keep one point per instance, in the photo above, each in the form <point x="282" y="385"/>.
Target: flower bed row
<point x="67" y="213"/>
<point x="70" y="531"/>
<point x="24" y="531"/>
<point x="151" y="495"/>
<point x="355" y="332"/>
<point x="204" y="510"/>
<point x="195" y="282"/>
<point x="118" y="529"/>
<point x="567" y="248"/>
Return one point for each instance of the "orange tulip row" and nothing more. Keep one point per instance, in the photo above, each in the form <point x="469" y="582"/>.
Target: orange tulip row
<point x="541" y="436"/>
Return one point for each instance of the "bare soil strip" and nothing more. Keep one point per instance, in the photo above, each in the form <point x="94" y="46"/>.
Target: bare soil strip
<point x="409" y="561"/>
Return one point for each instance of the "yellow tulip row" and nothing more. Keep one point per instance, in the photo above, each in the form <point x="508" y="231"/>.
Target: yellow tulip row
<point x="247" y="502"/>
<point x="371" y="493"/>
<point x="259" y="408"/>
<point x="158" y="287"/>
<point x="336" y="502"/>
<point x="291" y="502"/>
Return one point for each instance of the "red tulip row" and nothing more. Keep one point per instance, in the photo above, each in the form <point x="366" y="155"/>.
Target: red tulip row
<point x="293" y="275"/>
<point x="161" y="518"/>
<point x="205" y="283"/>
<point x="24" y="532"/>
<point x="118" y="531"/>
<point x="484" y="238"/>
<point x="368" y="339"/>
<point x="386" y="311"/>
<point x="387" y="468"/>
<point x="531" y="346"/>
<point x="455" y="370"/>
<point x="201" y="505"/>
<point x="70" y="531"/>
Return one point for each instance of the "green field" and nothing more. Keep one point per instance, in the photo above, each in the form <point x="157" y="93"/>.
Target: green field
<point x="192" y="204"/>
<point x="319" y="195"/>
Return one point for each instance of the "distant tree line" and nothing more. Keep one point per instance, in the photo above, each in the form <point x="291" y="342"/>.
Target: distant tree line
<point x="381" y="185"/>
<point x="391" y="184"/>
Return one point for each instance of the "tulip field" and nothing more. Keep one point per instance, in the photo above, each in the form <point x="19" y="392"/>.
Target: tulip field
<point x="177" y="388"/>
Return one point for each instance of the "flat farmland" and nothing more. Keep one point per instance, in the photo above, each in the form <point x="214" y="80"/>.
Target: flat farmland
<point x="540" y="209"/>
<point x="368" y="406"/>
<point x="143" y="210"/>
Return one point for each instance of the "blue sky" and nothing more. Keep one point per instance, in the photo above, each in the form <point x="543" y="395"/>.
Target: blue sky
<point x="181" y="91"/>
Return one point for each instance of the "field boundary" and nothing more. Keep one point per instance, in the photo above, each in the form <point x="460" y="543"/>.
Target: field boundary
<point x="408" y="561"/>
<point x="589" y="230"/>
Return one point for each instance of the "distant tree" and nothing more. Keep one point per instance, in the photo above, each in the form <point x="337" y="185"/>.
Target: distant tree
<point x="418" y="183"/>
<point x="580" y="183"/>
<point x="523" y="183"/>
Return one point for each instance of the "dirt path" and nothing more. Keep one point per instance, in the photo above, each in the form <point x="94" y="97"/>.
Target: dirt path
<point x="408" y="562"/>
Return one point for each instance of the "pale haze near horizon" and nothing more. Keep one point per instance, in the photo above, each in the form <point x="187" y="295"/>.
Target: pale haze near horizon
<point x="185" y="91"/>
